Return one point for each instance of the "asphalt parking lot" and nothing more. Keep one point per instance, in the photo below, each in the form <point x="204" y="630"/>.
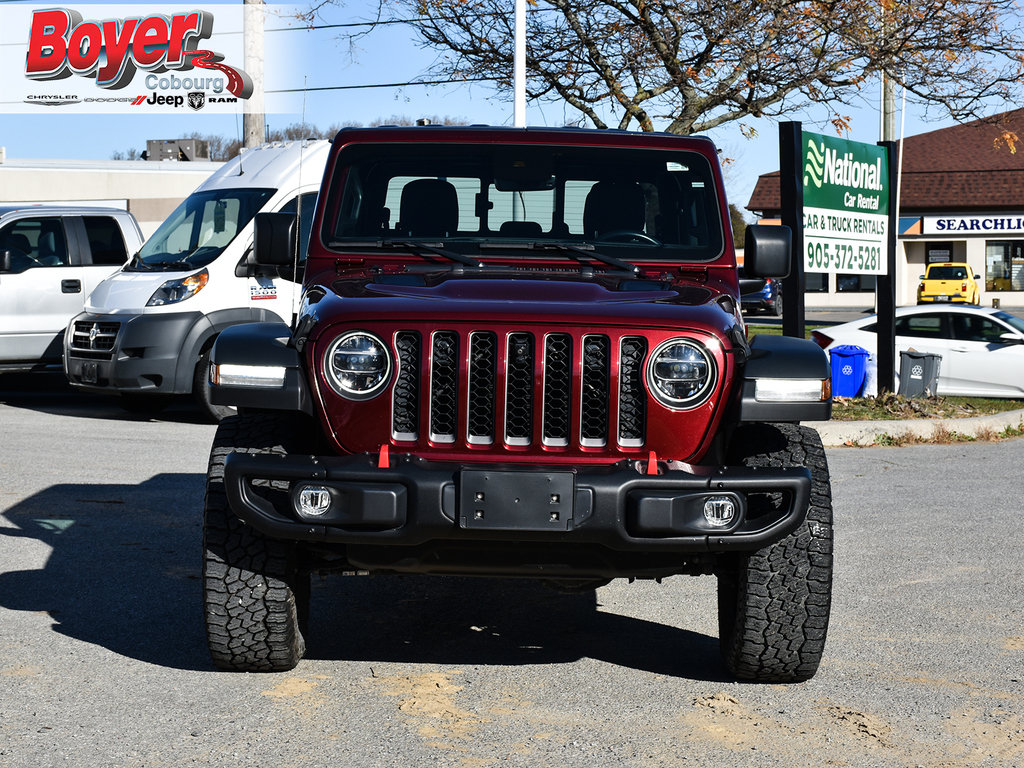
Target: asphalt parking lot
<point x="103" y="661"/>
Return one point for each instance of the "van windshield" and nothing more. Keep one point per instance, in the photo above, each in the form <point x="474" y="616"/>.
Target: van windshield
<point x="626" y="203"/>
<point x="199" y="229"/>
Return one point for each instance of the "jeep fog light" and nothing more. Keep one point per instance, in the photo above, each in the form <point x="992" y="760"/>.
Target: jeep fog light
<point x="792" y="390"/>
<point x="313" y="501"/>
<point x="720" y="511"/>
<point x="358" y="365"/>
<point x="234" y="375"/>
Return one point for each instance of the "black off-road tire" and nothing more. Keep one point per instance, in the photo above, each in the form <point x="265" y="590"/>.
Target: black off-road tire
<point x="201" y="392"/>
<point x="255" y="592"/>
<point x="773" y="604"/>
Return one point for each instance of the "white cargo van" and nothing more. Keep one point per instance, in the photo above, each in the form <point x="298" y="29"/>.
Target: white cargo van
<point x="147" y="330"/>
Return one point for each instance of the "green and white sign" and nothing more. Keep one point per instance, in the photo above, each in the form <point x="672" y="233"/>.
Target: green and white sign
<point x="846" y="205"/>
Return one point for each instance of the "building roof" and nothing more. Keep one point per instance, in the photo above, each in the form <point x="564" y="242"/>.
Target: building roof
<point x="969" y="167"/>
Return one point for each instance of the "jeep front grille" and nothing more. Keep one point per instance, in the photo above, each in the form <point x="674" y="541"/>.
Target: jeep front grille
<point x="481" y="388"/>
<point x="93" y="340"/>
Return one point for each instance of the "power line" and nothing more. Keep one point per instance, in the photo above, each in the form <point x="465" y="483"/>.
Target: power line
<point x="381" y="85"/>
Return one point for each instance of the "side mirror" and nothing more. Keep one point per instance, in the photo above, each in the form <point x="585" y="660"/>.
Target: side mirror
<point x="1010" y="338"/>
<point x="767" y="251"/>
<point x="274" y="239"/>
<point x="6" y="261"/>
<point x="977" y="277"/>
<point x="920" y="277"/>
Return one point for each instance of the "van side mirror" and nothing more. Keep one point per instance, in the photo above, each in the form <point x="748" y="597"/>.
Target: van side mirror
<point x="767" y="250"/>
<point x="274" y="239"/>
<point x="6" y="261"/>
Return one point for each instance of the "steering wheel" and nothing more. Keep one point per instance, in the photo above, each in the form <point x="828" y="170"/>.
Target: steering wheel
<point x="628" y="234"/>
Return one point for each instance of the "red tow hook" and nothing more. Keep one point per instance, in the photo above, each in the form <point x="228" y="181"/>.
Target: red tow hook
<point x="384" y="457"/>
<point x="652" y="463"/>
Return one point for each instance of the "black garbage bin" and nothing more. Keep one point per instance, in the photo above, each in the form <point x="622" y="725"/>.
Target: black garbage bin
<point x="919" y="373"/>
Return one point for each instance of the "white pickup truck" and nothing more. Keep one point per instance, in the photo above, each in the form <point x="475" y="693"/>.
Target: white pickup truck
<point x="51" y="257"/>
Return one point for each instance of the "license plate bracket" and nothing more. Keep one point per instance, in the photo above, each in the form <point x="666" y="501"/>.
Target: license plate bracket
<point x="516" y="501"/>
<point x="90" y="373"/>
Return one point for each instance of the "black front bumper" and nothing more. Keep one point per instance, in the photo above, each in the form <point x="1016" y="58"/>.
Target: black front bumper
<point x="146" y="357"/>
<point x="415" y="505"/>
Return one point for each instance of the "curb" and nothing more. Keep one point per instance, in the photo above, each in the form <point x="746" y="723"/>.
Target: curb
<point x="865" y="433"/>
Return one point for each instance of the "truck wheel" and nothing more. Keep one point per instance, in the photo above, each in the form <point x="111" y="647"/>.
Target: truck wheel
<point x="255" y="595"/>
<point x="201" y="391"/>
<point x="773" y="604"/>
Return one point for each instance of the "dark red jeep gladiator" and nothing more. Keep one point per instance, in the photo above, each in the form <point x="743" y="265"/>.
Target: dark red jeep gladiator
<point x="520" y="353"/>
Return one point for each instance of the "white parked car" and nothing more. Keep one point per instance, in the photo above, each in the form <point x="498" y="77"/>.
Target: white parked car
<point x="982" y="349"/>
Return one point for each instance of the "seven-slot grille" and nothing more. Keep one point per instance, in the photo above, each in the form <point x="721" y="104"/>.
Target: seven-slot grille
<point x="520" y="389"/>
<point x="94" y="340"/>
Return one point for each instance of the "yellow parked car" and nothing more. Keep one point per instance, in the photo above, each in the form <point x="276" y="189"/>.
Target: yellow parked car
<point x="949" y="282"/>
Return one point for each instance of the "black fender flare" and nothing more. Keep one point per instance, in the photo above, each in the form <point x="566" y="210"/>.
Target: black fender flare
<point x="261" y="344"/>
<point x="784" y="357"/>
<point x="201" y="335"/>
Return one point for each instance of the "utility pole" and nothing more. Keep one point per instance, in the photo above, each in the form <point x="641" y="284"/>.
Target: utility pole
<point x="254" y="131"/>
<point x="885" y="285"/>
<point x="518" y="66"/>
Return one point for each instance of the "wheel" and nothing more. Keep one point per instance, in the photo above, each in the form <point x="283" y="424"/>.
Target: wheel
<point x="255" y="594"/>
<point x="627" y="235"/>
<point x="773" y="604"/>
<point x="201" y="391"/>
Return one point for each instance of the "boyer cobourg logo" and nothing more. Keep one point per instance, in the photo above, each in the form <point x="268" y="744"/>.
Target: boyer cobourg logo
<point x="112" y="52"/>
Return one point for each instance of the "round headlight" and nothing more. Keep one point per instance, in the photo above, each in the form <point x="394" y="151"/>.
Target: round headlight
<point x="681" y="374"/>
<point x="358" y="365"/>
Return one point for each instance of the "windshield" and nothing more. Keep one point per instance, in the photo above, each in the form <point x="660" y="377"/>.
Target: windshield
<point x="1012" y="320"/>
<point x="637" y="204"/>
<point x="199" y="229"/>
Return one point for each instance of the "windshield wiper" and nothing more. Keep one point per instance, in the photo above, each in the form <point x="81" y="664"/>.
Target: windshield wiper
<point x="137" y="261"/>
<point x="415" y="245"/>
<point x="611" y="261"/>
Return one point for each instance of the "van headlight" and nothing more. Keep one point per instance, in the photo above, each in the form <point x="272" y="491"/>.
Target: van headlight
<point x="358" y="365"/>
<point x="681" y="374"/>
<point x="183" y="288"/>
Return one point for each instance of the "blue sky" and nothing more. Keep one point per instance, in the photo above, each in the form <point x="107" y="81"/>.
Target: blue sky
<point x="323" y="58"/>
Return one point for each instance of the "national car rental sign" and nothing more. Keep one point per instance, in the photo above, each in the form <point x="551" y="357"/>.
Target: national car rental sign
<point x="846" y="205"/>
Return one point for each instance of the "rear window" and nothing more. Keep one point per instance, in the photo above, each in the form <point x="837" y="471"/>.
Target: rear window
<point x="947" y="273"/>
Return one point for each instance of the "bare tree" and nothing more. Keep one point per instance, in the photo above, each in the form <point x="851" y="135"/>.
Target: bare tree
<point x="687" y="66"/>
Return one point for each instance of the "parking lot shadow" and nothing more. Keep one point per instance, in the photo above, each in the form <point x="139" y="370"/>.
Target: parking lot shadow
<point x="461" y="620"/>
<point x="124" y="573"/>
<point x="49" y="392"/>
<point x="123" y="570"/>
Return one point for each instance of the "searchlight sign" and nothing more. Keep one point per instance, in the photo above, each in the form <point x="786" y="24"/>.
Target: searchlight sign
<point x="112" y="58"/>
<point x="846" y="205"/>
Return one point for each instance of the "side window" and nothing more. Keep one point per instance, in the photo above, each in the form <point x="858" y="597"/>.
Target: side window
<point x="920" y="326"/>
<point x="105" y="240"/>
<point x="36" y="242"/>
<point x="974" y="328"/>
<point x="305" y="205"/>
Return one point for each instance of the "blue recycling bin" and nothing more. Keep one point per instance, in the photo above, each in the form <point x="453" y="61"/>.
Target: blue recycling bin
<point x="849" y="369"/>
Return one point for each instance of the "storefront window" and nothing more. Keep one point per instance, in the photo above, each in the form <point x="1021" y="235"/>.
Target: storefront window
<point x="815" y="282"/>
<point x="1004" y="265"/>
<point x="855" y="283"/>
